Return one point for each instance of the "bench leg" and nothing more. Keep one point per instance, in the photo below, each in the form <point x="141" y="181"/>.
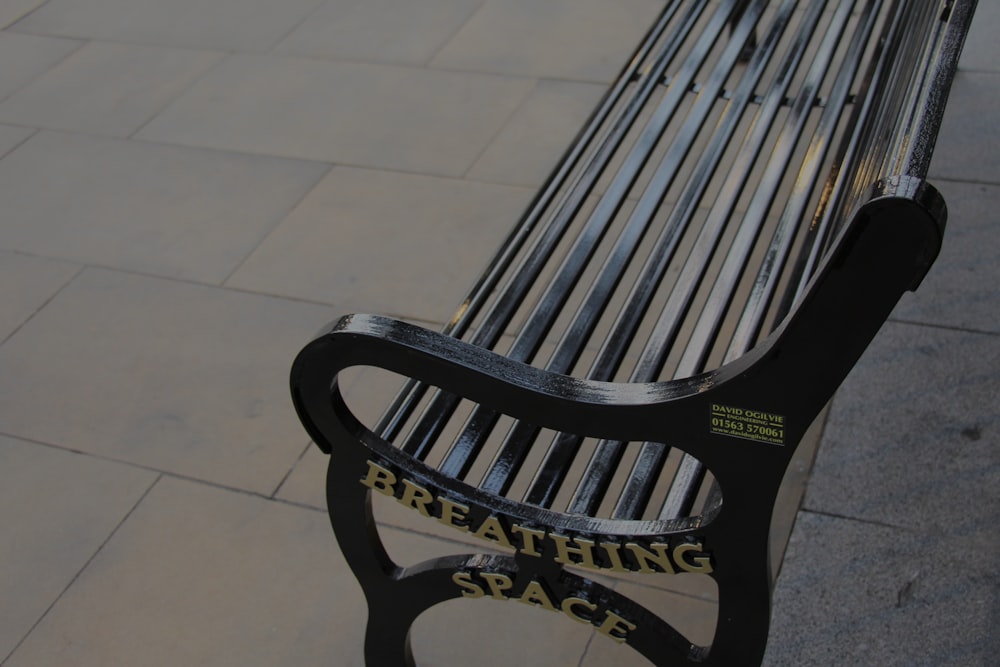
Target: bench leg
<point x="395" y="596"/>
<point x="388" y="643"/>
<point x="741" y="544"/>
<point x="350" y="508"/>
<point x="743" y="622"/>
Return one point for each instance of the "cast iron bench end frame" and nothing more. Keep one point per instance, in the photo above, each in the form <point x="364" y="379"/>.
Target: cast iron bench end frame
<point x="884" y="252"/>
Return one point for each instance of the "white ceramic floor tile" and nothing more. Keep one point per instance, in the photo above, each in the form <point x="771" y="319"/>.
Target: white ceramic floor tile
<point x="369" y="115"/>
<point x="25" y="57"/>
<point x="540" y="131"/>
<point x="581" y="40"/>
<point x="104" y="88"/>
<point x="172" y="376"/>
<point x="383" y="242"/>
<point x="384" y="31"/>
<point x="26" y="283"/>
<point x="11" y="137"/>
<point x="240" y="25"/>
<point x="57" y="508"/>
<point x="166" y="210"/>
<point x="12" y="10"/>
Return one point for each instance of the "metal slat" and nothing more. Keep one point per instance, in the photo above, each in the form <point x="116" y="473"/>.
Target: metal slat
<point x="955" y="18"/>
<point x="544" y="313"/>
<point x="691" y="471"/>
<point x="595" y="480"/>
<point x="858" y="156"/>
<point x="434" y="418"/>
<point x="845" y="193"/>
<point x="639" y="484"/>
<point x="603" y="463"/>
<point x="529" y="250"/>
<point x="752" y="316"/>
<point x="899" y="142"/>
<point x="765" y="285"/>
<point x="515" y="447"/>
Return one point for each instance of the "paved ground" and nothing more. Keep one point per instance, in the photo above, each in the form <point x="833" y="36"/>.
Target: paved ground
<point x="189" y="189"/>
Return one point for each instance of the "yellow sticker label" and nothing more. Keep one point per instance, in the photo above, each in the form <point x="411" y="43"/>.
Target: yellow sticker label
<point x="748" y="424"/>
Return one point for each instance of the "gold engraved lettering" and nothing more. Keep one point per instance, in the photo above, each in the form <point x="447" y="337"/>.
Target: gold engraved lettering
<point x="498" y="583"/>
<point x="700" y="563"/>
<point x="616" y="627"/>
<point x="570" y="605"/>
<point x="613" y="550"/>
<point x="534" y="594"/>
<point x="416" y="497"/>
<point x="380" y="479"/>
<point x="491" y="529"/>
<point x="584" y="549"/>
<point x="644" y="557"/>
<point x="683" y="556"/>
<point x="469" y="589"/>
<point x="577" y="608"/>
<point x="454" y="514"/>
<point x="529" y="539"/>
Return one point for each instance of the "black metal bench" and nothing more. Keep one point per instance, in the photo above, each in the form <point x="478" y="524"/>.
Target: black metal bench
<point x="624" y="387"/>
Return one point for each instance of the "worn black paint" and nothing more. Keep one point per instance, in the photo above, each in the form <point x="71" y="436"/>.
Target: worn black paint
<point x="875" y="236"/>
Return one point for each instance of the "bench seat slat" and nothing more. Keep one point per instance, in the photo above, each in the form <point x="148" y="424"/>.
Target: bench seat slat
<point x="402" y="408"/>
<point x="540" y="320"/>
<point x="569" y="347"/>
<point x="690" y="474"/>
<point x="697" y="84"/>
<point x="869" y="152"/>
<point x="506" y="459"/>
<point x="429" y="427"/>
<point x="772" y="118"/>
<point x="514" y="449"/>
<point x="765" y="285"/>
<point x="709" y="236"/>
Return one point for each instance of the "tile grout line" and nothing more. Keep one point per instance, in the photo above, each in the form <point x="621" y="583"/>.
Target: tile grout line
<point x="80" y="44"/>
<point x="62" y="288"/>
<point x="260" y="495"/>
<point x="977" y="70"/>
<point x="586" y="649"/>
<point x="223" y="56"/>
<point x="75" y="577"/>
<point x="932" y="178"/>
<point x="34" y="131"/>
<point x="854" y="519"/>
<point x="943" y="327"/>
<point x="291" y="209"/>
<point x="23" y="17"/>
<point x="291" y="469"/>
<point x="193" y="282"/>
<point x="288" y="33"/>
<point x="535" y="81"/>
<point x="450" y="38"/>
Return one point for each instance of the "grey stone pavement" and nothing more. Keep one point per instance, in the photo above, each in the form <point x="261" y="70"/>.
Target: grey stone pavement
<point x="190" y="189"/>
